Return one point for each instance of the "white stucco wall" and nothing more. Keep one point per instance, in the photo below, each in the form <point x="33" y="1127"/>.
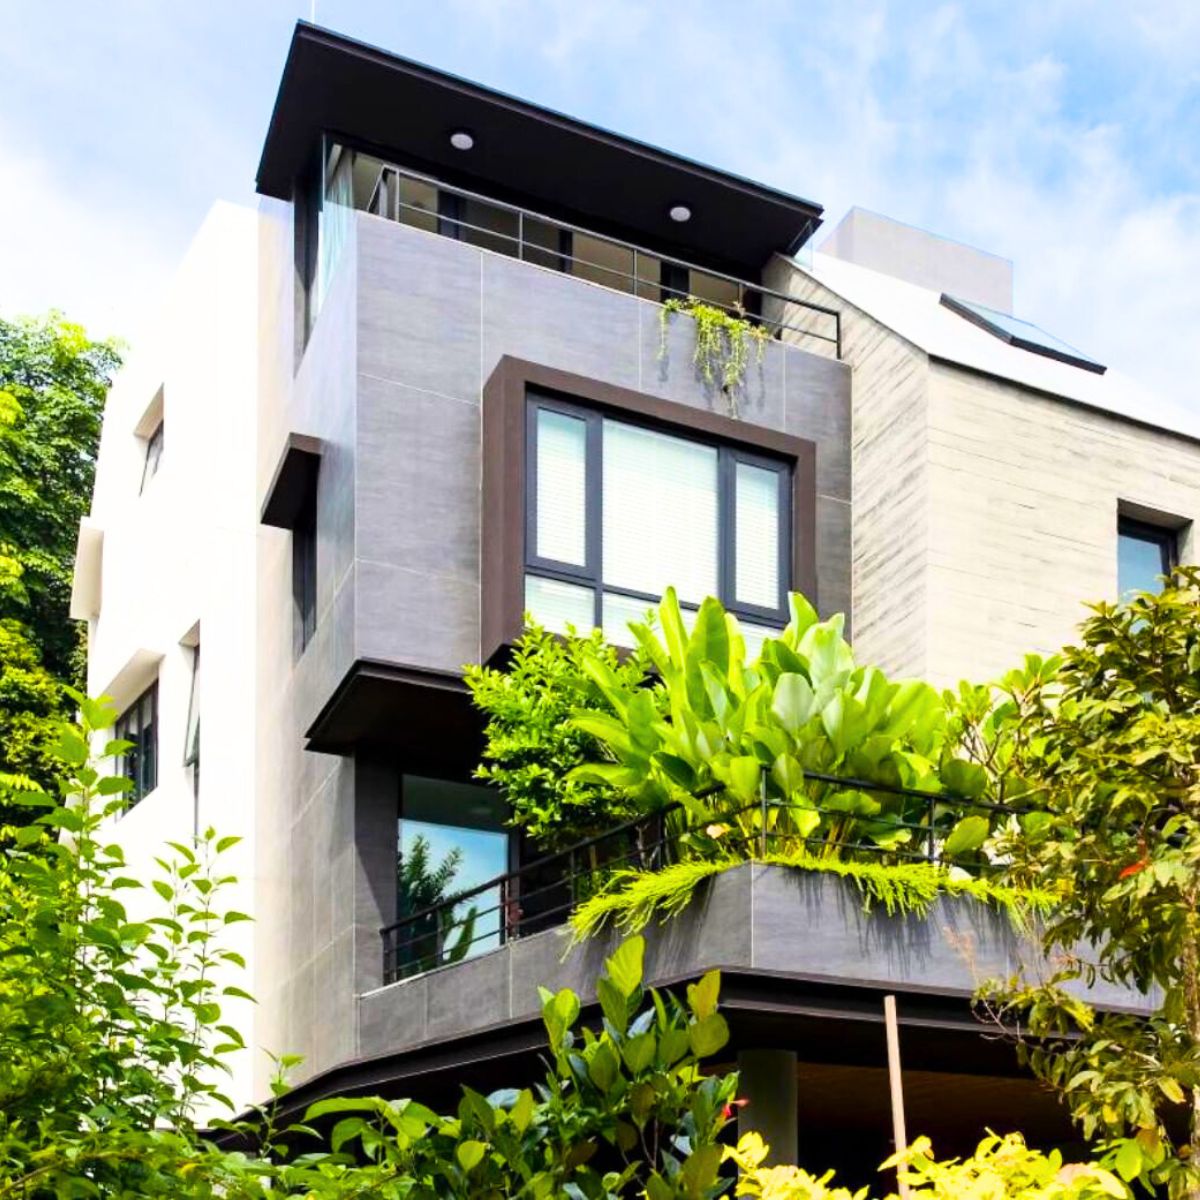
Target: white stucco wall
<point x="182" y="555"/>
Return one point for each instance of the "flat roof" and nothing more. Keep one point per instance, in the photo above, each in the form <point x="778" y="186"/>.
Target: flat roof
<point x="406" y="112"/>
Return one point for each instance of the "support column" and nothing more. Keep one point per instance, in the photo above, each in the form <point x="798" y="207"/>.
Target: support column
<point x="768" y="1083"/>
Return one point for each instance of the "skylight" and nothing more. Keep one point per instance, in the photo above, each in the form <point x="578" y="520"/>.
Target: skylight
<point x="1021" y="334"/>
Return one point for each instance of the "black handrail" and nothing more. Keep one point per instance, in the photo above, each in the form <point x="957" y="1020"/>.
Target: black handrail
<point x="429" y="925"/>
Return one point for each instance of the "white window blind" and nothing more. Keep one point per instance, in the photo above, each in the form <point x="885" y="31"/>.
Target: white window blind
<point x="756" y="556"/>
<point x="561" y="487"/>
<point x="660" y="512"/>
<point x="556" y="604"/>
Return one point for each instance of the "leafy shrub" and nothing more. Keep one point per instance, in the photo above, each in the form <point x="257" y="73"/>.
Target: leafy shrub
<point x="532" y="746"/>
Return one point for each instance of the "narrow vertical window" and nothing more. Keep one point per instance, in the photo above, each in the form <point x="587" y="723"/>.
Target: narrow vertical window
<point x="758" y="502"/>
<point x="138" y="725"/>
<point x="154" y="449"/>
<point x="304" y="574"/>
<point x="191" y="743"/>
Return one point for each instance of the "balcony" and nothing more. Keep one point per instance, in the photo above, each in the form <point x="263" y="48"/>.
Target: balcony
<point x="356" y="181"/>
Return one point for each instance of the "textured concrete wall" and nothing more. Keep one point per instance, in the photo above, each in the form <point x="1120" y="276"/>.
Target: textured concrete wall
<point x="754" y="918"/>
<point x="890" y="481"/>
<point x="1023" y="498"/>
<point x="985" y="514"/>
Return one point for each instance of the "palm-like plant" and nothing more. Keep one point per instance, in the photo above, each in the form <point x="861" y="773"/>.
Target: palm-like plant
<point x="741" y="745"/>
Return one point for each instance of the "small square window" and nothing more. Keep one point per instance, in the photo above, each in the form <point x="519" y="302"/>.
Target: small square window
<point x="1145" y="552"/>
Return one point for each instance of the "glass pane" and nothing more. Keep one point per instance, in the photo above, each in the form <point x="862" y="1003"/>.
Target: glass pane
<point x="602" y="262"/>
<point x="660" y="513"/>
<point x="717" y="291"/>
<point x="488" y="226"/>
<point x="546" y="245"/>
<point x="756" y="549"/>
<point x="1140" y="561"/>
<point x="451" y="839"/>
<point x="561" y="487"/>
<point x="556" y="605"/>
<point x="618" y="612"/>
<point x="418" y="204"/>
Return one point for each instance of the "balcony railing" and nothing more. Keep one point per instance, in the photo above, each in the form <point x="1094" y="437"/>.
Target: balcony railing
<point x="390" y="191"/>
<point x="542" y="894"/>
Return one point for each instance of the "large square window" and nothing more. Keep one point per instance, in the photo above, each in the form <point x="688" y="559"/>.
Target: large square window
<point x="617" y="511"/>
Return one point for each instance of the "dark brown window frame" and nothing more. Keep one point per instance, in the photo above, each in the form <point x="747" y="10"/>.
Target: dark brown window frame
<point x="505" y="451"/>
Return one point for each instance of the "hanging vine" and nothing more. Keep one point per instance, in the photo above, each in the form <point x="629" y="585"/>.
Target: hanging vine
<point x="723" y="341"/>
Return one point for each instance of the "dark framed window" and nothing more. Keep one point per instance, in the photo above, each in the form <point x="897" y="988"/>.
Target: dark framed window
<point x="1144" y="553"/>
<point x="138" y="725"/>
<point x="617" y="510"/>
<point x="154" y="449"/>
<point x="304" y="573"/>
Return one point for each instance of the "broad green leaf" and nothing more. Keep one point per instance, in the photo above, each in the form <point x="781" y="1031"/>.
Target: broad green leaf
<point x="707" y="1036"/>
<point x="702" y="995"/>
<point x="470" y="1154"/>
<point x="969" y="834"/>
<point x="624" y="967"/>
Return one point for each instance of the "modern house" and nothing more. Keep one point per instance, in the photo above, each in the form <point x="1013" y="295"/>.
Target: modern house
<point x="432" y="384"/>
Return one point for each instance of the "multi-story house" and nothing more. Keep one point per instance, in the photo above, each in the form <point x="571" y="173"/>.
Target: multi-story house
<point x="452" y="394"/>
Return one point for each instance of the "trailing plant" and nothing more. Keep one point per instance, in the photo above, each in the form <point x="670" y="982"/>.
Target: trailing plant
<point x="723" y="340"/>
<point x="1002" y="1168"/>
<point x="1106" y="752"/>
<point x="742" y="743"/>
<point x="531" y="746"/>
<point x="633" y="899"/>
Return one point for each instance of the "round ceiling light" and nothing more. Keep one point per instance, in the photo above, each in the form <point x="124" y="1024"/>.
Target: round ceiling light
<point x="460" y="139"/>
<point x="680" y="213"/>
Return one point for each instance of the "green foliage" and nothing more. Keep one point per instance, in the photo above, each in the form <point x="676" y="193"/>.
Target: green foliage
<point x="723" y="341"/>
<point x="737" y="742"/>
<point x="110" y="1029"/>
<point x="53" y="380"/>
<point x="531" y="744"/>
<point x="111" y="1038"/>
<point x="1002" y="1168"/>
<point x="1106" y="754"/>
<point x="632" y="899"/>
<point x="623" y="1111"/>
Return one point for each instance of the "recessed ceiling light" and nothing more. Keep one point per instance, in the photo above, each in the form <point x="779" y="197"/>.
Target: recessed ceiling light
<point x="460" y="139"/>
<point x="680" y="213"/>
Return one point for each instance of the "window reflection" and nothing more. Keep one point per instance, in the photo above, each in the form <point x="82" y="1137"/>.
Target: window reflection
<point x="451" y="838"/>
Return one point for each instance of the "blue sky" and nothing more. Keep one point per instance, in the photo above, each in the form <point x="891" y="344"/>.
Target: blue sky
<point x="1061" y="134"/>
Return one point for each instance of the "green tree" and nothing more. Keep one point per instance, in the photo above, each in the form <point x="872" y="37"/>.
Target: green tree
<point x="53" y="381"/>
<point x="1105" y="753"/>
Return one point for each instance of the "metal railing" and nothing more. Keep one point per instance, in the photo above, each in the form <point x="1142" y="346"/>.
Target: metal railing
<point x="542" y="894"/>
<point x="558" y="245"/>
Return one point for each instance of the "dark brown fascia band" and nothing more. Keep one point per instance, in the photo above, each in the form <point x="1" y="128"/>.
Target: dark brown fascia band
<point x="503" y="519"/>
<point x="294" y="481"/>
